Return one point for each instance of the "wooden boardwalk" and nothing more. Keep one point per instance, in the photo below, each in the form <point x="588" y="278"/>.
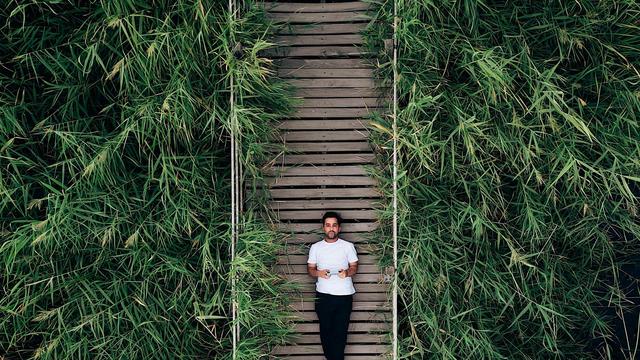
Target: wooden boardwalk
<point x="320" y="55"/>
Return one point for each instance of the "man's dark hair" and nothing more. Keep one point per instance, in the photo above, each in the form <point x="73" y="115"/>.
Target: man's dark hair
<point x="332" y="214"/>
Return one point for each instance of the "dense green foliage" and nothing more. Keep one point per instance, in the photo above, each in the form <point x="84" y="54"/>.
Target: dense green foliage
<point x="114" y="190"/>
<point x="518" y="151"/>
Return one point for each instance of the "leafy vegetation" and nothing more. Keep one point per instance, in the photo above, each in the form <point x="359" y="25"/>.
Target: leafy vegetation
<point x="518" y="152"/>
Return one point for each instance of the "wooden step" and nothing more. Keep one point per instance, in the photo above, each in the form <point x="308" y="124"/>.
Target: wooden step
<point x="339" y="102"/>
<point x="355" y="316"/>
<point x="317" y="349"/>
<point x="339" y="39"/>
<point x="334" y="113"/>
<point x="301" y="269"/>
<point x="351" y="339"/>
<point x="333" y="64"/>
<point x="356" y="306"/>
<point x="329" y="147"/>
<point x="357" y="279"/>
<point x="308" y="238"/>
<point x="353" y="327"/>
<point x="325" y="159"/>
<point x="279" y="205"/>
<point x="338" y="135"/>
<point x="332" y="124"/>
<point x="320" y="29"/>
<point x="302" y="259"/>
<point x="331" y="83"/>
<point x="318" y="181"/>
<point x="300" y="7"/>
<point x="325" y="92"/>
<point x="319" y="17"/>
<point x="362" y="192"/>
<point x="317" y="214"/>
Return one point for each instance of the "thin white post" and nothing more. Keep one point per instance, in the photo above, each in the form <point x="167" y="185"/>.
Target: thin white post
<point x="395" y="184"/>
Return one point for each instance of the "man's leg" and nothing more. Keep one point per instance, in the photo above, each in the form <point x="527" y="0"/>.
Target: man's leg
<point x="324" y="310"/>
<point x="341" y="326"/>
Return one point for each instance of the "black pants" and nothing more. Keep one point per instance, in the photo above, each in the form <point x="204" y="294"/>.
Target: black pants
<point x="333" y="312"/>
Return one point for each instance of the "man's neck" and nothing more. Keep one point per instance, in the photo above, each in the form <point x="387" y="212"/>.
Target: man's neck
<point x="330" y="241"/>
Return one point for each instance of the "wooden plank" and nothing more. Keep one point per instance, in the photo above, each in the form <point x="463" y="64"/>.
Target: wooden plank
<point x="329" y="147"/>
<point x="279" y="205"/>
<point x="366" y="192"/>
<point x="299" y="7"/>
<point x="317" y="349"/>
<point x="339" y="102"/>
<point x="333" y="113"/>
<point x="301" y="269"/>
<point x="312" y="227"/>
<point x="323" y="63"/>
<point x="355" y="316"/>
<point x="356" y="306"/>
<point x="319" y="181"/>
<point x="360" y="288"/>
<point x="331" y="83"/>
<point x="338" y="135"/>
<point x="302" y="259"/>
<point x="334" y="124"/>
<point x="353" y="327"/>
<point x="326" y="159"/>
<point x="317" y="29"/>
<point x="357" y="279"/>
<point x="317" y="214"/>
<point x="309" y="238"/>
<point x="351" y="339"/>
<point x="303" y="249"/>
<point x="315" y="51"/>
<point x="340" y="39"/>
<point x="323" y="17"/>
<point x="337" y="92"/>
<point x="324" y="73"/>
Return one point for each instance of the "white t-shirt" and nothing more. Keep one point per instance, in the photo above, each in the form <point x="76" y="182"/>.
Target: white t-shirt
<point x="333" y="256"/>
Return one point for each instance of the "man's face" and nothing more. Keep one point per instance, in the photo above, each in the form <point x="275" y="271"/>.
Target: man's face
<point x="331" y="228"/>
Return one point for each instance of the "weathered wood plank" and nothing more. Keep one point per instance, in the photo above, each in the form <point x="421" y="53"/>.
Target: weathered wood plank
<point x="361" y="288"/>
<point x="306" y="29"/>
<point x="334" y="124"/>
<point x="317" y="349"/>
<point x="332" y="113"/>
<point x="324" y="193"/>
<point x="353" y="327"/>
<point x="341" y="39"/>
<point x="279" y="205"/>
<point x="356" y="306"/>
<point x="302" y="259"/>
<point x="323" y="17"/>
<point x="323" y="64"/>
<point x="325" y="159"/>
<point x="351" y="339"/>
<point x="324" y="73"/>
<point x="357" y="279"/>
<point x="299" y="7"/>
<point x="317" y="51"/>
<point x="331" y="83"/>
<point x="318" y="181"/>
<point x="339" y="135"/>
<point x="317" y="170"/>
<point x="317" y="214"/>
<point x="337" y="92"/>
<point x="333" y="102"/>
<point x="302" y="269"/>
<point x="355" y="316"/>
<point x="358" y="146"/>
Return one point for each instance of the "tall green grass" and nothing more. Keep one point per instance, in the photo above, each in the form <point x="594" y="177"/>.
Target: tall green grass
<point x="114" y="190"/>
<point x="518" y="152"/>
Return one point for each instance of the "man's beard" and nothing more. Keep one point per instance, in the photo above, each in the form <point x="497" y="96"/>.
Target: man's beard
<point x="335" y="234"/>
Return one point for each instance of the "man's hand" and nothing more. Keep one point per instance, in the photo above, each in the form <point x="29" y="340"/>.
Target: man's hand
<point x="342" y="273"/>
<point x="324" y="273"/>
